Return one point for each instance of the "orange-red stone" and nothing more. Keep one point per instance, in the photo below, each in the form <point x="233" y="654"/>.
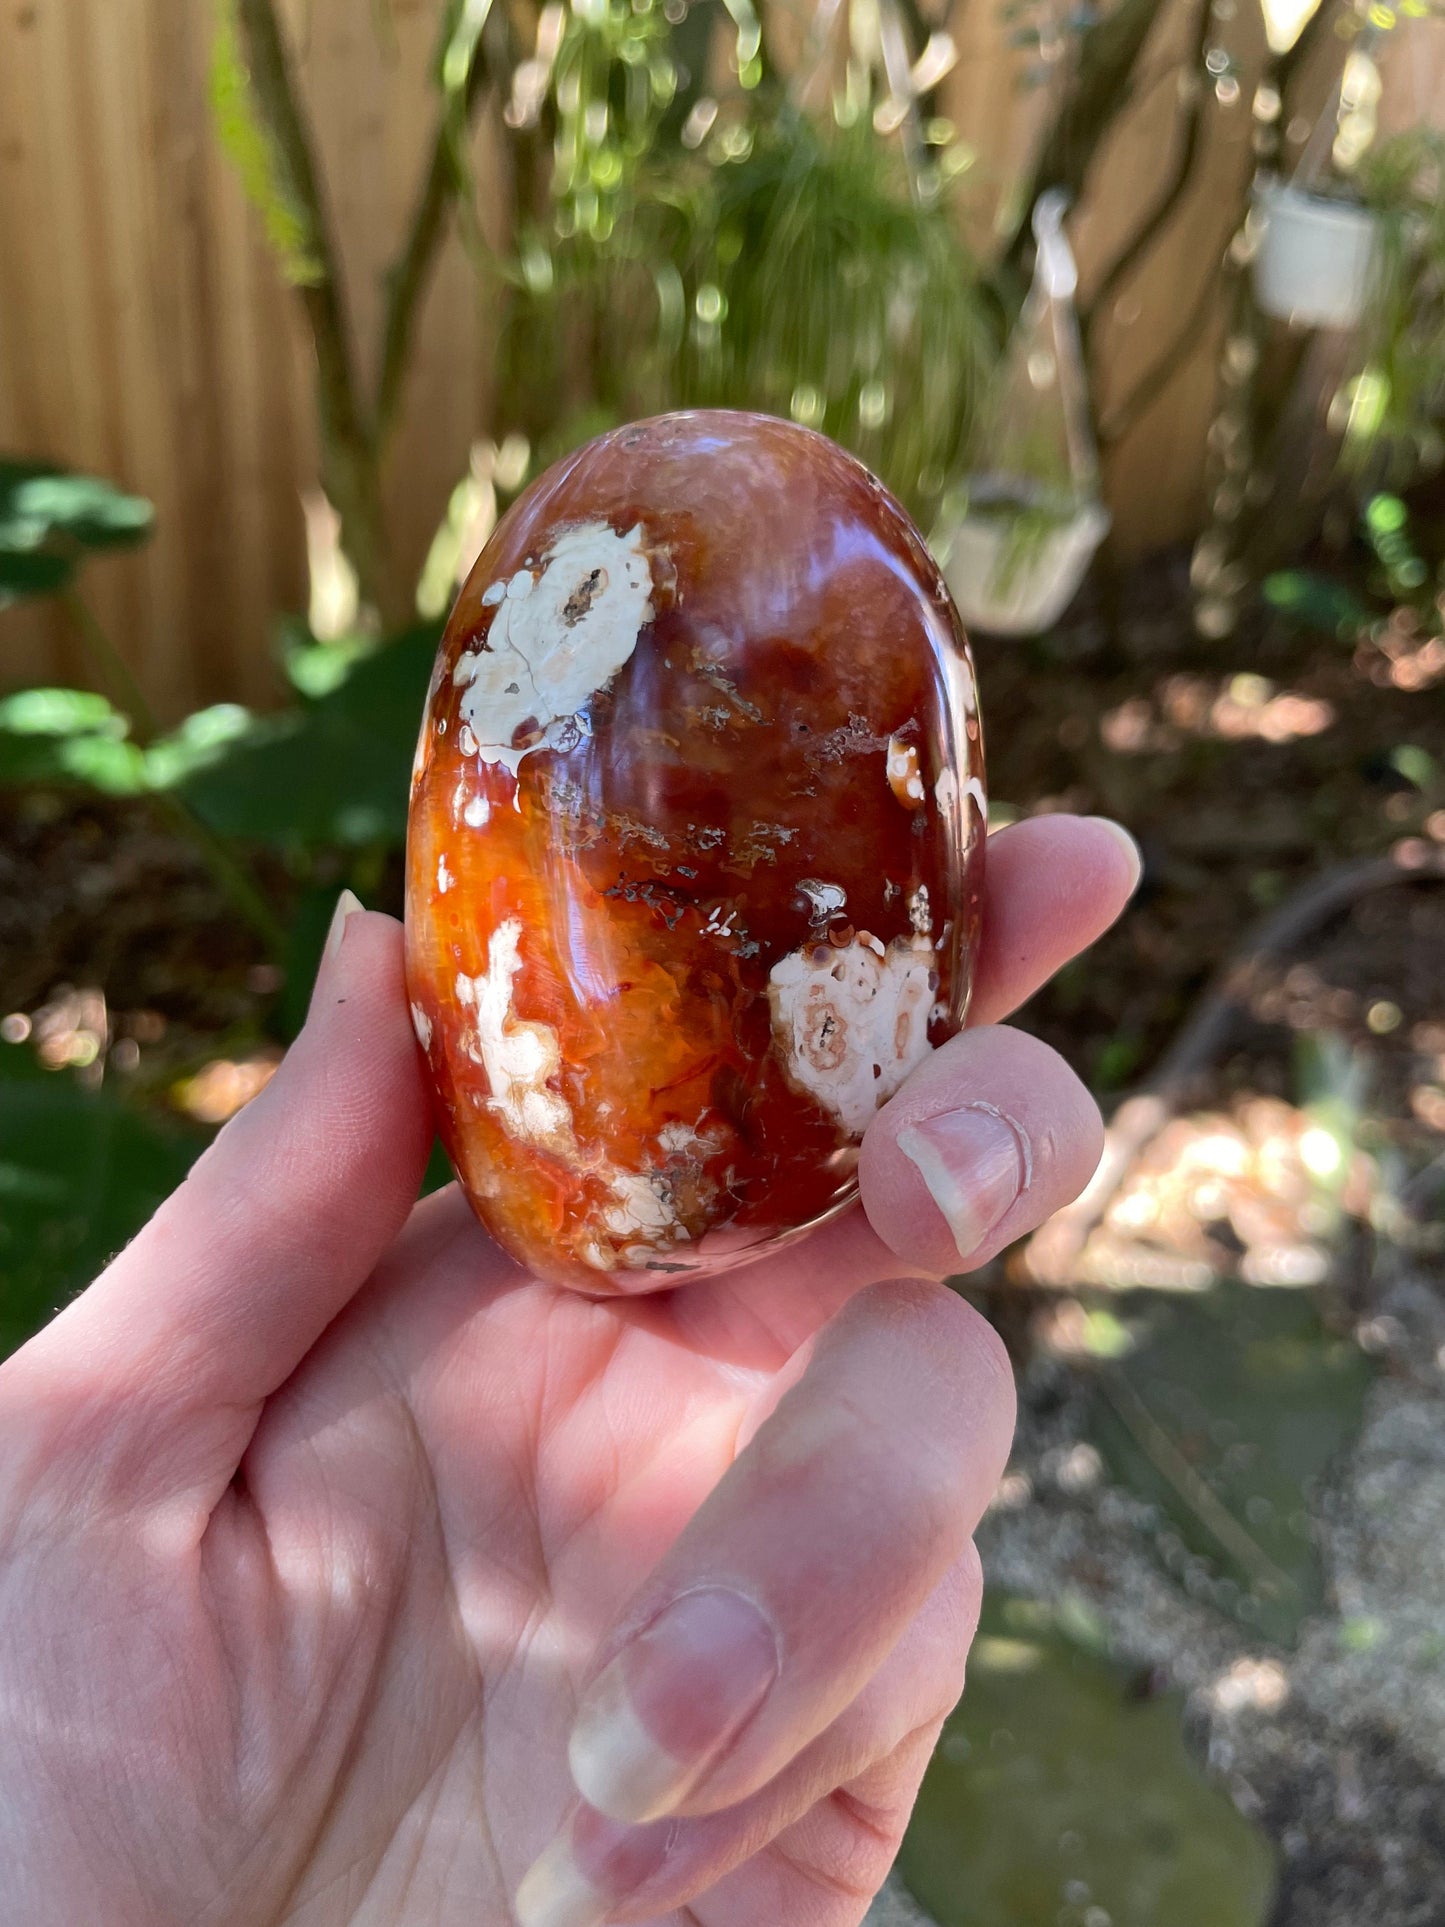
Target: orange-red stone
<point x="696" y="847"/>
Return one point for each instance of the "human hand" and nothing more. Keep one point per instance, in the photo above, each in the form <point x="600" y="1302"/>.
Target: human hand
<point x="323" y="1527"/>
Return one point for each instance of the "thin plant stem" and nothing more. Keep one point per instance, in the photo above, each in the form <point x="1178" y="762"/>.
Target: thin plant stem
<point x="111" y="665"/>
<point x="230" y="873"/>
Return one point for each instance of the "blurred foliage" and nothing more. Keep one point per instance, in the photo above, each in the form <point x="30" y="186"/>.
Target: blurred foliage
<point x="50" y="519"/>
<point x="243" y="134"/>
<point x="1225" y="1418"/>
<point x="1397" y="400"/>
<point x="73" y="736"/>
<point x="811" y="286"/>
<point x="1060" y="1792"/>
<point x="782" y="266"/>
<point x="80" y="1172"/>
<point x="1397" y="582"/>
<point x="333" y="770"/>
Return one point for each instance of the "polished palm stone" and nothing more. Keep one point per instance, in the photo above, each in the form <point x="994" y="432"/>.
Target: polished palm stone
<point x="696" y="847"/>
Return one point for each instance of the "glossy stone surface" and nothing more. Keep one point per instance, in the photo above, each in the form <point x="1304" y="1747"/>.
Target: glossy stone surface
<point x="696" y="847"/>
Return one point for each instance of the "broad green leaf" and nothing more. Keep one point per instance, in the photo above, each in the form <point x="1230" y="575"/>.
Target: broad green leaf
<point x="60" y="712"/>
<point x="333" y="771"/>
<point x="116" y="768"/>
<point x="1225" y="1418"/>
<point x="80" y="1172"/>
<point x="92" y="512"/>
<point x="25" y="572"/>
<point x="68" y="737"/>
<point x="1058" y="1795"/>
<point x="315" y="668"/>
<point x="201" y="741"/>
<point x="49" y="517"/>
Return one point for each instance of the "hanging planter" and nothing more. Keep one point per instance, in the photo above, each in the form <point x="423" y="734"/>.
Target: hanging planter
<point x="1016" y="537"/>
<point x="1317" y="255"/>
<point x="1013" y="564"/>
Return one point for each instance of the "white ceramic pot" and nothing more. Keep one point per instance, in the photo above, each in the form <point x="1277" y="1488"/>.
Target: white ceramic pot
<point x="1315" y="259"/>
<point x="1015" y="594"/>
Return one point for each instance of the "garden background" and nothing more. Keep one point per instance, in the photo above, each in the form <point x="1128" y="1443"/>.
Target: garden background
<point x="317" y="286"/>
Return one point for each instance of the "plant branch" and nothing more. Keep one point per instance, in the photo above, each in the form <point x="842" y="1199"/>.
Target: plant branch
<point x="407" y="281"/>
<point x="1146" y="234"/>
<point x="1094" y="102"/>
<point x="349" y="469"/>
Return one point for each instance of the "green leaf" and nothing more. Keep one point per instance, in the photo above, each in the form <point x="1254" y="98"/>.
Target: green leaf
<point x="68" y="737"/>
<point x="315" y="668"/>
<point x="1313" y="601"/>
<point x="118" y="769"/>
<point x="305" y="940"/>
<point x="201" y="741"/>
<point x="49" y="517"/>
<point x="94" y="513"/>
<point x="80" y="1172"/>
<point x="27" y="573"/>
<point x="1225" y="1417"/>
<point x="439" y="1170"/>
<point x="332" y="772"/>
<point x="61" y="712"/>
<point x="1055" y="1791"/>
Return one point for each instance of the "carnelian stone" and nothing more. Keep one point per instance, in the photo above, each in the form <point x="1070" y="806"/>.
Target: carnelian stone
<point x="696" y="847"/>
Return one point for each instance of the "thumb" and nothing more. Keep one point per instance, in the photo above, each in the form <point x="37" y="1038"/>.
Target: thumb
<point x="151" y="1382"/>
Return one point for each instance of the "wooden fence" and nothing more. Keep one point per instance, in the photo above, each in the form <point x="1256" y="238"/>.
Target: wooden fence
<point x="145" y="333"/>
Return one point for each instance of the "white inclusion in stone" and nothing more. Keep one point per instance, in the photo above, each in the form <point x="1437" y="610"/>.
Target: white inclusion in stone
<point x="904" y="778"/>
<point x="974" y="788"/>
<point x="827" y="899"/>
<point x="466" y="741"/>
<point x="518" y="1057"/>
<point x="852" y="1025"/>
<point x="643" y="1207"/>
<point x="493" y="594"/>
<point x="920" y="911"/>
<point x="945" y="791"/>
<point x="477" y="813"/>
<point x="421" y="1024"/>
<point x="679" y="1140"/>
<point x="557" y="638"/>
<point x="445" y="879"/>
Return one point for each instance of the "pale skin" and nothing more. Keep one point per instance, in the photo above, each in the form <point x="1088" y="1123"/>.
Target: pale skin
<point x="318" y="1518"/>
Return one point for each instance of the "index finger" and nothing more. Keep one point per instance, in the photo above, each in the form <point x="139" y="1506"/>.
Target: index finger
<point x="1052" y="885"/>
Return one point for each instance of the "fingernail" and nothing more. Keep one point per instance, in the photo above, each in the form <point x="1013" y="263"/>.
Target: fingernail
<point x="347" y="904"/>
<point x="1127" y="844"/>
<point x="975" y="1164"/>
<point x="557" y="1893"/>
<point x="673" y="1700"/>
